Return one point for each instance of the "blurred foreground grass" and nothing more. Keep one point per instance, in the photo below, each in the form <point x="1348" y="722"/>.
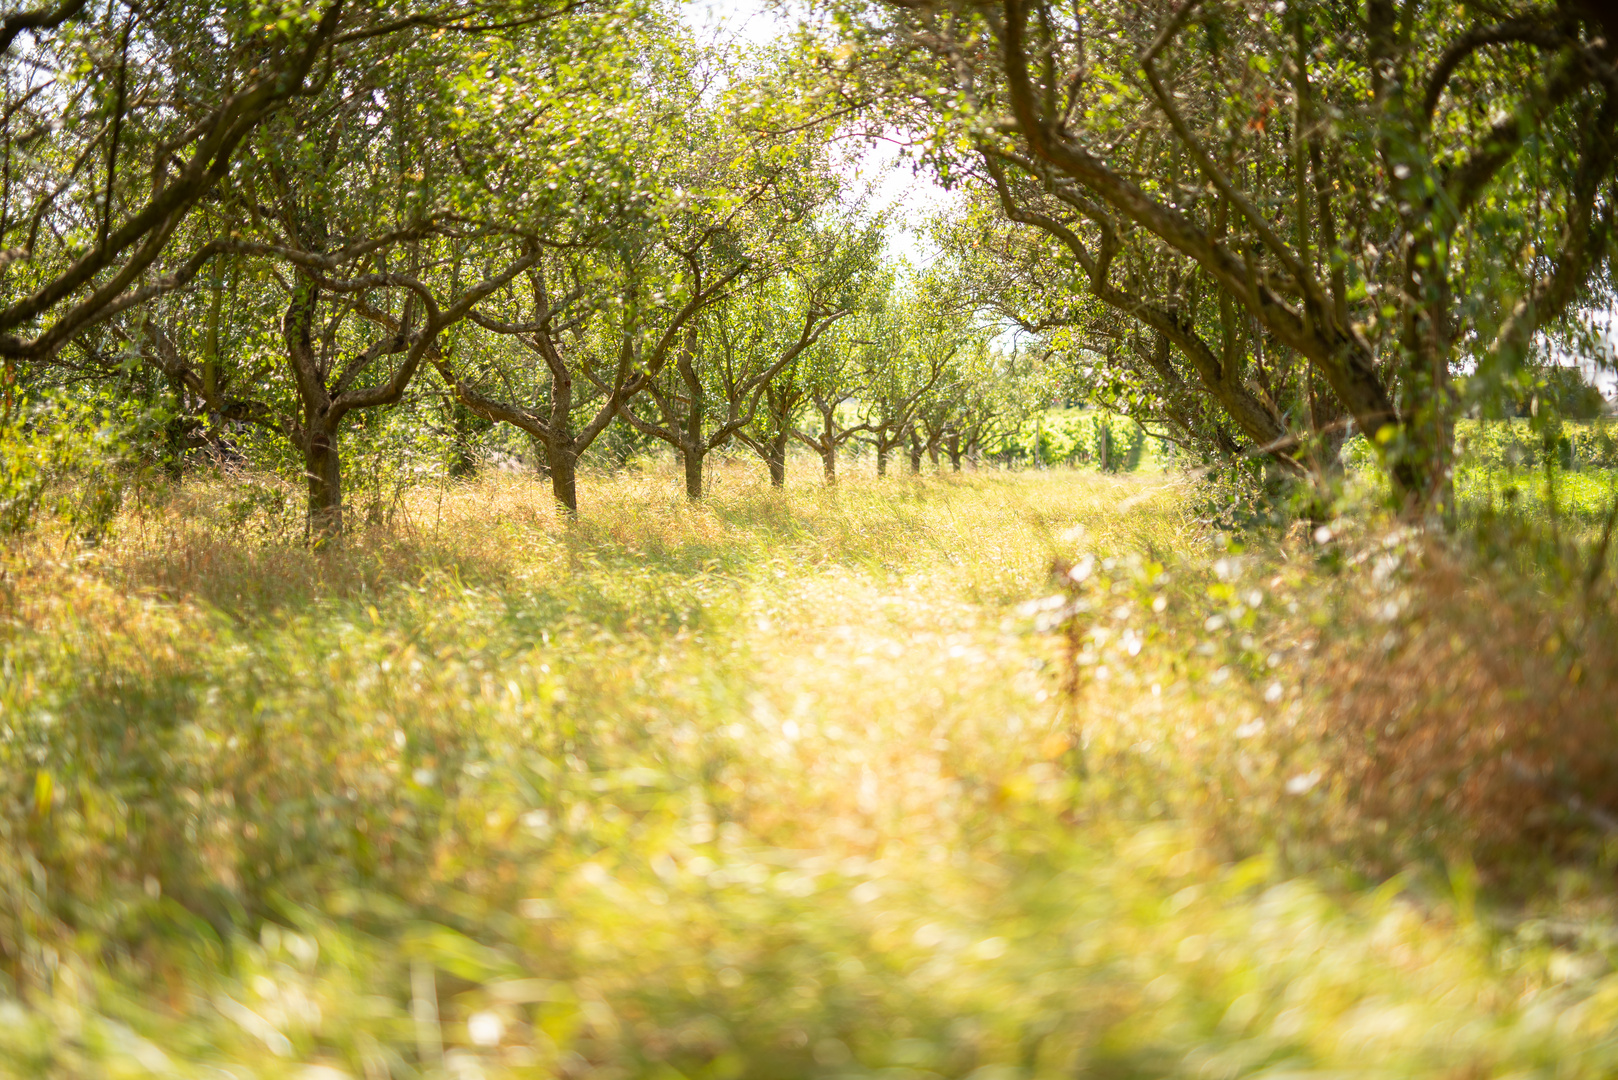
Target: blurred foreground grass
<point x="788" y="784"/>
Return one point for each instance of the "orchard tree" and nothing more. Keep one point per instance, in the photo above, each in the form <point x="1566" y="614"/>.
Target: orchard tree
<point x="195" y="353"/>
<point x="956" y="403"/>
<point x="909" y="357"/>
<point x="643" y="256"/>
<point x="379" y="212"/>
<point x="743" y="345"/>
<point x="823" y="378"/>
<point x="1117" y="358"/>
<point x="780" y="398"/>
<point x="1386" y="193"/>
<point x="987" y="405"/>
<point x="593" y="362"/>
<point x="828" y="381"/>
<point x="776" y="211"/>
<point x="120" y="120"/>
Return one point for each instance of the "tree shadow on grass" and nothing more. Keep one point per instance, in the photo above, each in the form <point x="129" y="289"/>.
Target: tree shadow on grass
<point x="246" y="556"/>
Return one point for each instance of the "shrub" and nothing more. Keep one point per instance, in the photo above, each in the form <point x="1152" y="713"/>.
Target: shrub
<point x="1518" y="444"/>
<point x="1491" y="746"/>
<point x="1108" y="441"/>
<point x="1371" y="725"/>
<point x="1116" y="442"/>
<point x="50" y="442"/>
<point x="24" y="469"/>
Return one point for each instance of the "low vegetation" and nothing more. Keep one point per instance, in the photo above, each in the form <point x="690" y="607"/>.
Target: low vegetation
<point x="507" y="570"/>
<point x="803" y="782"/>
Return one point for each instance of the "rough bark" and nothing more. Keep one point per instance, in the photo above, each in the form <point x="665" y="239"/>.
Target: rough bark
<point x="323" y="469"/>
<point x="692" y="457"/>
<point x="563" y="462"/>
<point x="777" y="458"/>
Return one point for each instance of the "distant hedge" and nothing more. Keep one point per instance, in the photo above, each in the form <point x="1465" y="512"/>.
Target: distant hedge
<point x="1081" y="437"/>
<point x="1515" y="444"/>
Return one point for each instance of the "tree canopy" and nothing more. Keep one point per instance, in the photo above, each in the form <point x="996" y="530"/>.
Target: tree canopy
<point x="1270" y="221"/>
<point x="1256" y="229"/>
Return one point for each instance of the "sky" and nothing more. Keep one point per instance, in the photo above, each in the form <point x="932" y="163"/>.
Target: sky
<point x="1605" y="378"/>
<point x="748" y="19"/>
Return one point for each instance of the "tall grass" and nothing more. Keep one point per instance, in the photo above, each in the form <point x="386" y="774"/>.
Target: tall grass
<point x="802" y="783"/>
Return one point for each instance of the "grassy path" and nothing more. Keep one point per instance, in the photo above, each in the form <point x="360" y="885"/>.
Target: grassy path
<point x="780" y="786"/>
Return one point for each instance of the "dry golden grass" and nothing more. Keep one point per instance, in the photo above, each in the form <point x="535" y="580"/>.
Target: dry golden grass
<point x="1479" y="707"/>
<point x="781" y="785"/>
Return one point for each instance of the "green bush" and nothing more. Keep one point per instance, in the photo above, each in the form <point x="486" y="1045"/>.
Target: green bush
<point x="1117" y="443"/>
<point x="1108" y="441"/>
<point x="24" y="469"/>
<point x="84" y="452"/>
<point x="1516" y="444"/>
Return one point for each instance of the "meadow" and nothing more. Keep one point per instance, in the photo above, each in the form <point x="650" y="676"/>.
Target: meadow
<point x="994" y="775"/>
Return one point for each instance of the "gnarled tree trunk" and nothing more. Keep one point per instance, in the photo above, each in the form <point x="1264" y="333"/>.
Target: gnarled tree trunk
<point x="563" y="462"/>
<point x="777" y="458"/>
<point x="692" y="457"/>
<point x="323" y="468"/>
